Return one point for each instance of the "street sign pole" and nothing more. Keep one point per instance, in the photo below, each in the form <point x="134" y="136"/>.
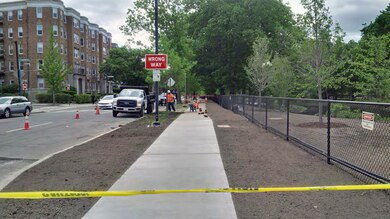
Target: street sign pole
<point x="156" y="123"/>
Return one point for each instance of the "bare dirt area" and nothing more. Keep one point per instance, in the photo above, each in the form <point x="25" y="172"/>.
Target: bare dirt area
<point x="93" y="166"/>
<point x="253" y="157"/>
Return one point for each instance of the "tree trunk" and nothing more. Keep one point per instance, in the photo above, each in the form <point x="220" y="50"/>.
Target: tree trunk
<point x="320" y="103"/>
<point x="54" y="98"/>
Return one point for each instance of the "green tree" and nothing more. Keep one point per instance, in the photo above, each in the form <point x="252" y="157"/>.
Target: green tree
<point x="127" y="66"/>
<point x="54" y="70"/>
<point x="282" y="77"/>
<point x="258" y="69"/>
<point x="381" y="25"/>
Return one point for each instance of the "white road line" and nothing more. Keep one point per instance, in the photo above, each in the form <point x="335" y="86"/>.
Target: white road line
<point x="14" y="130"/>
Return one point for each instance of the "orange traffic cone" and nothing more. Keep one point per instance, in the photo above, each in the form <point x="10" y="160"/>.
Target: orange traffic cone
<point x="97" y="110"/>
<point x="26" y="123"/>
<point x="77" y="115"/>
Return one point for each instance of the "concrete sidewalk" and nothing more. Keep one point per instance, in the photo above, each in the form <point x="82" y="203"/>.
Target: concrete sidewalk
<point x="185" y="156"/>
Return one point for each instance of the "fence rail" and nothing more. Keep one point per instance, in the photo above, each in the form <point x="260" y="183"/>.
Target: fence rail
<point x="333" y="129"/>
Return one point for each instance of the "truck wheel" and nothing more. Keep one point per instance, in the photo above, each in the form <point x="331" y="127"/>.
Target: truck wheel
<point x="114" y="113"/>
<point x="141" y="113"/>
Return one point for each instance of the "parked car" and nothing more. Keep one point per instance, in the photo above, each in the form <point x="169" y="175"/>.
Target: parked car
<point x="106" y="102"/>
<point x="14" y="104"/>
<point x="162" y="99"/>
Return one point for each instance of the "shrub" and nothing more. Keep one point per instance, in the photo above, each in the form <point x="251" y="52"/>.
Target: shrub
<point x="343" y="111"/>
<point x="63" y="98"/>
<point x="48" y="98"/>
<point x="82" y="98"/>
<point x="44" y="98"/>
<point x="9" y="88"/>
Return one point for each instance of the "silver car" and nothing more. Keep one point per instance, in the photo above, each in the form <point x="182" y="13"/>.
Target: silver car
<point x="14" y="104"/>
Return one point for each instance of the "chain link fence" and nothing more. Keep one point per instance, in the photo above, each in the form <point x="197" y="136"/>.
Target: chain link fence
<point x="353" y="135"/>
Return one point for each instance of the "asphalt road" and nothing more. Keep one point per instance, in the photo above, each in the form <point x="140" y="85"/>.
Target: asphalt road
<point x="50" y="132"/>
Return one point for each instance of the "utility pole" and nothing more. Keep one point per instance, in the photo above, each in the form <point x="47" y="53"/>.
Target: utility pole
<point x="18" y="68"/>
<point x="156" y="123"/>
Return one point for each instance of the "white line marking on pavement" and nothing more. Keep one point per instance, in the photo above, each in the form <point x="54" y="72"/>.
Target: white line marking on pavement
<point x="223" y="126"/>
<point x="14" y="130"/>
<point x="275" y="118"/>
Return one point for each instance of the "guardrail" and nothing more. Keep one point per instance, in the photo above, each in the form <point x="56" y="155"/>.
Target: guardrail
<point x="353" y="135"/>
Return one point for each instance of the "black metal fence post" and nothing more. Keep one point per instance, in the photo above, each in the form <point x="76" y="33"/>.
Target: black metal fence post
<point x="328" y="135"/>
<point x="243" y="105"/>
<point x="266" y="113"/>
<point x="288" y="120"/>
<point x="253" y="108"/>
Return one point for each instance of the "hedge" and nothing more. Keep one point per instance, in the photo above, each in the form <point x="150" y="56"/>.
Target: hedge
<point x="48" y="98"/>
<point x="82" y="98"/>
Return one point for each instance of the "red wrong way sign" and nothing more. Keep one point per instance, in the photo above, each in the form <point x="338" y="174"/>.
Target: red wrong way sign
<point x="156" y="61"/>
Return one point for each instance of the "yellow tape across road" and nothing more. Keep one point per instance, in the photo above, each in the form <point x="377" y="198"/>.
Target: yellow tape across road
<point x="90" y="194"/>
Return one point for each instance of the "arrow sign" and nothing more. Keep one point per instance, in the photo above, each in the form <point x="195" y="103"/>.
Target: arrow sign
<point x="171" y="82"/>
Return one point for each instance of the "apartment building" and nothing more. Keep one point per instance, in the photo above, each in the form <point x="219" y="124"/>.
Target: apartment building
<point x="26" y="26"/>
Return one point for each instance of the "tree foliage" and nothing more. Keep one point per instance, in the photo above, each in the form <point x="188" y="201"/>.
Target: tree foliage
<point x="127" y="66"/>
<point x="54" y="70"/>
<point x="381" y="25"/>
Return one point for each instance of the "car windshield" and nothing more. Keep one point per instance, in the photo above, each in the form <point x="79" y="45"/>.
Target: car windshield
<point x="130" y="93"/>
<point x="107" y="97"/>
<point x="4" y="100"/>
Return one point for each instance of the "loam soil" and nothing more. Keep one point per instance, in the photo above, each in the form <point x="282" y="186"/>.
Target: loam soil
<point x="93" y="166"/>
<point x="253" y="157"/>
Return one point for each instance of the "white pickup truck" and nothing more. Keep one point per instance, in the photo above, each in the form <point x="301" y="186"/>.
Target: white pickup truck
<point x="134" y="101"/>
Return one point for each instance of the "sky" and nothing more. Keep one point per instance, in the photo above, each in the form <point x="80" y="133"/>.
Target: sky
<point x="110" y="15"/>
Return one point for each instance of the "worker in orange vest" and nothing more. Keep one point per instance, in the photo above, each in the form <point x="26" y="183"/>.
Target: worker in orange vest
<point x="170" y="101"/>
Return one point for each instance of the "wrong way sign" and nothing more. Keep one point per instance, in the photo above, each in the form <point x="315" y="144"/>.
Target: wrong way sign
<point x="156" y="61"/>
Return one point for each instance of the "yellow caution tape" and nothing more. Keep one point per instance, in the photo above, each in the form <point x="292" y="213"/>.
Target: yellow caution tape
<point x="91" y="194"/>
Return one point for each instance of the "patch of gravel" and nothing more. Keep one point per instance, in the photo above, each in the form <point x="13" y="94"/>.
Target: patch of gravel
<point x="93" y="166"/>
<point x="253" y="157"/>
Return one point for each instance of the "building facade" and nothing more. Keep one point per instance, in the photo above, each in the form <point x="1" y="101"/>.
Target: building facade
<point x="26" y="26"/>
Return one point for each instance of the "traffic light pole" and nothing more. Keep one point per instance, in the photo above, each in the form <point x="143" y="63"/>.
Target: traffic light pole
<point x="156" y="123"/>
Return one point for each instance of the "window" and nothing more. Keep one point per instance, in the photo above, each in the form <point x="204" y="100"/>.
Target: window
<point x="39" y="29"/>
<point x="75" y="23"/>
<point x="39" y="64"/>
<point x="20" y="15"/>
<point x="2" y="67"/>
<point x="82" y="41"/>
<point x="20" y="31"/>
<point x="1" y="49"/>
<point x="10" y="34"/>
<point x="93" y="33"/>
<point x="76" y="38"/>
<point x="61" y="15"/>
<point x="93" y="46"/>
<point x="62" y="48"/>
<point x="76" y="53"/>
<point x="1" y="16"/>
<point x="55" y="13"/>
<point x="41" y="83"/>
<point x="104" y="39"/>
<point x="11" y="48"/>
<point x="40" y="47"/>
<point x="82" y="56"/>
<point x="62" y="31"/>
<point x="39" y="12"/>
<point x="1" y="33"/>
<point x="11" y="82"/>
<point x="81" y="27"/>
<point x="93" y="71"/>
<point x="55" y="30"/>
<point x="11" y="66"/>
<point x="93" y="59"/>
<point x="87" y="43"/>
<point x="20" y="47"/>
<point x="66" y="50"/>
<point x="65" y="35"/>
<point x="10" y="15"/>
<point x="104" y="51"/>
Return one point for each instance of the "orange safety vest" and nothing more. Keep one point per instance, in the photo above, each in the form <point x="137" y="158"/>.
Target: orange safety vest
<point x="170" y="98"/>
